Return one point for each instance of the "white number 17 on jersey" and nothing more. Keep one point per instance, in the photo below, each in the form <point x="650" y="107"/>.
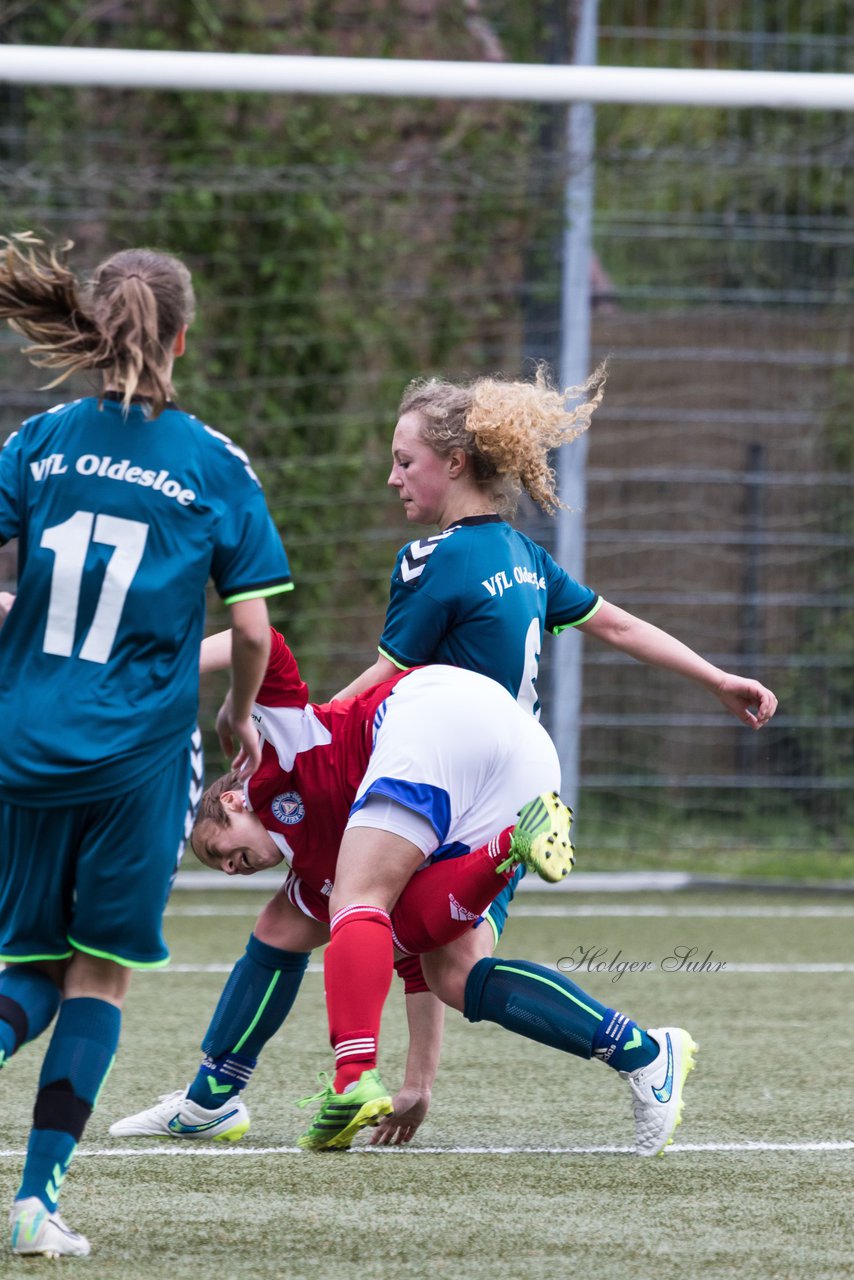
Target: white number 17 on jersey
<point x="70" y="542"/>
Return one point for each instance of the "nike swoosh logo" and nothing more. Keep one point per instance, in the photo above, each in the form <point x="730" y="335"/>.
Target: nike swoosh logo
<point x="664" y="1093"/>
<point x="177" y="1126"/>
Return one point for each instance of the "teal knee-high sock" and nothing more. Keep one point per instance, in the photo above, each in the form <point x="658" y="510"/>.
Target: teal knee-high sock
<point x="28" y="1002"/>
<point x="78" y="1059"/>
<point x="544" y="1005"/>
<point x="255" y="1001"/>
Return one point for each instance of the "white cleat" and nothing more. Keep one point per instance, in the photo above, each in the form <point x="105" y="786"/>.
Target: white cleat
<point x="176" y="1116"/>
<point x="37" y="1231"/>
<point x="657" y="1090"/>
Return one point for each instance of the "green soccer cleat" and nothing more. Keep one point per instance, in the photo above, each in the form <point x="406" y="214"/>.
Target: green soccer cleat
<point x="342" y="1115"/>
<point x="541" y="838"/>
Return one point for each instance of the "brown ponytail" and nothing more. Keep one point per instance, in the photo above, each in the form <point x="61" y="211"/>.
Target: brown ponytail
<point x="124" y="322"/>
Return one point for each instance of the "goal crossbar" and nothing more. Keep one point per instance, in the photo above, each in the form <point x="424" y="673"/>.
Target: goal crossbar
<point x="391" y="77"/>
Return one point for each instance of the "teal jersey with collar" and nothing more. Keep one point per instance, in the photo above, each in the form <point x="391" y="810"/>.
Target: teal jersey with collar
<point x="122" y="519"/>
<point x="481" y="595"/>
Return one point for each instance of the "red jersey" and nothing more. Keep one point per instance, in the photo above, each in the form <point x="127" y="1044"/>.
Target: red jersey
<point x="312" y="761"/>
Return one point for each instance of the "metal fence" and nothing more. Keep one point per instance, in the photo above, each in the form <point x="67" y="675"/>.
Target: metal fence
<point x="721" y="464"/>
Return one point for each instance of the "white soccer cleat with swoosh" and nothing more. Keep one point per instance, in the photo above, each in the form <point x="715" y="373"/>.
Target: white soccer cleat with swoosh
<point x="657" y="1089"/>
<point x="175" y="1116"/>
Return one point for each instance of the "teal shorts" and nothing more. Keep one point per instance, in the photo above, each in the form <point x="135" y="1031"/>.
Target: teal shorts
<point x="495" y="914"/>
<point x="96" y="877"/>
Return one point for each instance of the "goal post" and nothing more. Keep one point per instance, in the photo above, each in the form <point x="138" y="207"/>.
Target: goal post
<point x="411" y="78"/>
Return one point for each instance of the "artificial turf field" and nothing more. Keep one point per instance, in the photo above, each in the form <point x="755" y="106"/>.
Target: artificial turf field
<point x="522" y="1168"/>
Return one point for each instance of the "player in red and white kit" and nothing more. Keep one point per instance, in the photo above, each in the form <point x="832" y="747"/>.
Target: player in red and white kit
<point x="444" y="756"/>
<point x="435" y="762"/>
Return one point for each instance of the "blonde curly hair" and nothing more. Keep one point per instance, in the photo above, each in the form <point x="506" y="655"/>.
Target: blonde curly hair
<point x="507" y="429"/>
<point x="123" y="322"/>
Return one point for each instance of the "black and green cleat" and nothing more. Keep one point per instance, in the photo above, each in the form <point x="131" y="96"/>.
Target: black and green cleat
<point x="342" y="1115"/>
<point x="541" y="838"/>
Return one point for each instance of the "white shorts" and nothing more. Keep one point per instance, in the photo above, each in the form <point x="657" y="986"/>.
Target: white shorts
<point x="454" y="747"/>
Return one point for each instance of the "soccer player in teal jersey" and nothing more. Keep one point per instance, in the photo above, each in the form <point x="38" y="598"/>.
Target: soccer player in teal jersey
<point x="483" y="595"/>
<point x="124" y="506"/>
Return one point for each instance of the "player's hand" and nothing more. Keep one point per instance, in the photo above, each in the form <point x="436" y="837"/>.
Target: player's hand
<point x="238" y="739"/>
<point x="6" y="602"/>
<point x="750" y="701"/>
<point x="248" y="757"/>
<point x="410" y="1107"/>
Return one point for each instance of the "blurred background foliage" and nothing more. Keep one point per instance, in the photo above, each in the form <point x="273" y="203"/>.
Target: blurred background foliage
<point x="341" y="247"/>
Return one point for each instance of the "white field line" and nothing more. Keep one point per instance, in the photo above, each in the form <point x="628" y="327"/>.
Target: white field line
<point x="730" y="967"/>
<point x="565" y="911"/>
<point x="197" y="1150"/>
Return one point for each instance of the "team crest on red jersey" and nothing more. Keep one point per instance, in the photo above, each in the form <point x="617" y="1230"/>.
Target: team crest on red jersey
<point x="288" y="808"/>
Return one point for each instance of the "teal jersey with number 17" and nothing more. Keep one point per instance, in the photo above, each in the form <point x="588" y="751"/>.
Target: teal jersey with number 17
<point x="121" y="519"/>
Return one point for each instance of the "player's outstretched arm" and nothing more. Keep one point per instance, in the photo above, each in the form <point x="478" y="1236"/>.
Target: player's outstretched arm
<point x="425" y="1015"/>
<point x="382" y="669"/>
<point x="748" y="700"/>
<point x="215" y="653"/>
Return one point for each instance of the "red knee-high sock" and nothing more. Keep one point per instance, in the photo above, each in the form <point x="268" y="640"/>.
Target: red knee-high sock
<point x="441" y="902"/>
<point x="357" y="967"/>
